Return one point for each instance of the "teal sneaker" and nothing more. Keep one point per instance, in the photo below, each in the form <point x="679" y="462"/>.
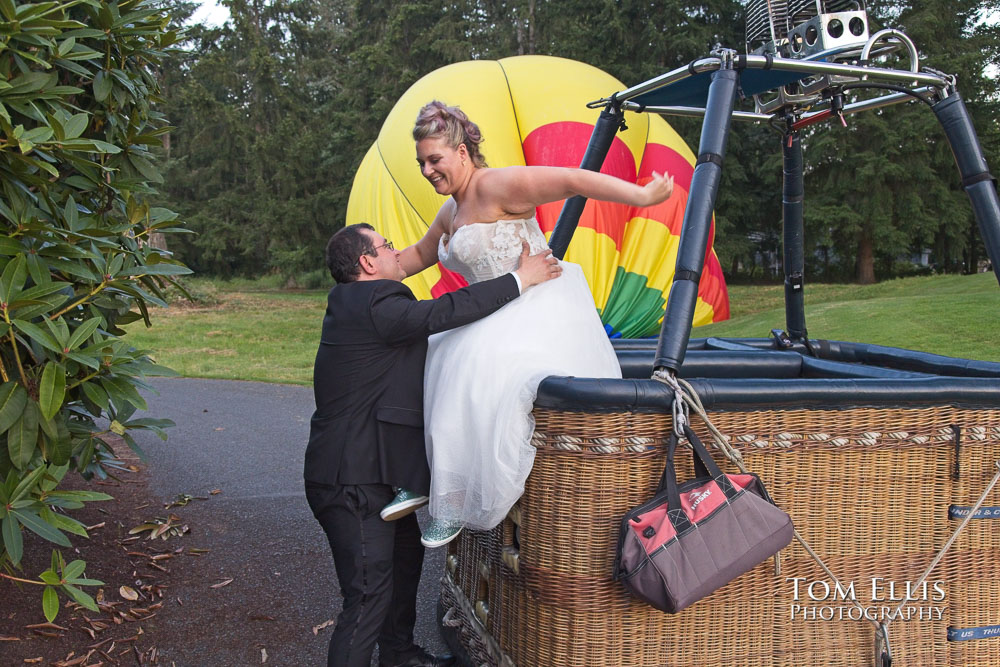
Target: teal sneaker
<point x="405" y="502"/>
<point x="438" y="533"/>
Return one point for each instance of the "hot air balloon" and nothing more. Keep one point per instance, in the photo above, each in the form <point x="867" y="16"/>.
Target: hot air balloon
<point x="532" y="111"/>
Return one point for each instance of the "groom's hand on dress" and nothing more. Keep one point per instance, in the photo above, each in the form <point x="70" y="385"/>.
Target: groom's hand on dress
<point x="534" y="269"/>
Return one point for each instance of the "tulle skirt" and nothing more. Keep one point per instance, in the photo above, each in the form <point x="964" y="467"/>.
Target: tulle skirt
<point x="480" y="382"/>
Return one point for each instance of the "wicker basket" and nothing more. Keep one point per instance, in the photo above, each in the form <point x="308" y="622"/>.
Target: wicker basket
<point x="869" y="489"/>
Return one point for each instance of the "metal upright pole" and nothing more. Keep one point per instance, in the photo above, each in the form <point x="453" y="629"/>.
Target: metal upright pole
<point x="600" y="143"/>
<point x="792" y="192"/>
<point x="977" y="181"/>
<point x="697" y="222"/>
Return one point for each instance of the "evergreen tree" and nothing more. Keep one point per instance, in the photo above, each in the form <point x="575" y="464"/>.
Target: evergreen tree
<point x="886" y="187"/>
<point x="275" y="110"/>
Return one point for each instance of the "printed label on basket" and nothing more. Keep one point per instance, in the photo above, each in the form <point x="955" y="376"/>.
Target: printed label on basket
<point x="962" y="511"/>
<point x="965" y="634"/>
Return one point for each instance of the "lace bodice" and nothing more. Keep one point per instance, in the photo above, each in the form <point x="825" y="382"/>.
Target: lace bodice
<point x="486" y="250"/>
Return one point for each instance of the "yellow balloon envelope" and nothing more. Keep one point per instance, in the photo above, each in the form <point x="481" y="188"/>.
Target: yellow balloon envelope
<point x="532" y="110"/>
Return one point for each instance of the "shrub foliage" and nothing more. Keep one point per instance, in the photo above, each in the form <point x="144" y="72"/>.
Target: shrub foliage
<point x="77" y="84"/>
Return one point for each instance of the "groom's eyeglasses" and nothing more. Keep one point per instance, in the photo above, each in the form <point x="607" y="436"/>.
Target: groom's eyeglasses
<point x="374" y="251"/>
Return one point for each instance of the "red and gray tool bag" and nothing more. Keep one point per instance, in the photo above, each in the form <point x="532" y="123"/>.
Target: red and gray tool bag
<point x="694" y="538"/>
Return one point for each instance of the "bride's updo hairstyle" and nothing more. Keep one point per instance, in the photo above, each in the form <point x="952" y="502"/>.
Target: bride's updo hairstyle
<point x="438" y="120"/>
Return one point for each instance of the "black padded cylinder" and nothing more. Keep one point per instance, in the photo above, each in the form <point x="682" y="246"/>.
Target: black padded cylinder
<point x="792" y="194"/>
<point x="600" y="143"/>
<point x="697" y="221"/>
<point x="982" y="190"/>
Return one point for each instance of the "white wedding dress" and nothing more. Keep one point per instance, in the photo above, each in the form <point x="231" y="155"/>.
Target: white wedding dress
<point x="480" y="380"/>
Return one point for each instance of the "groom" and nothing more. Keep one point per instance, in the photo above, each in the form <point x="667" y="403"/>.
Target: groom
<point x="366" y="435"/>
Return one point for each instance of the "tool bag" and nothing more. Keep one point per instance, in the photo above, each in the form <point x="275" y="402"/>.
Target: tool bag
<point x="691" y="539"/>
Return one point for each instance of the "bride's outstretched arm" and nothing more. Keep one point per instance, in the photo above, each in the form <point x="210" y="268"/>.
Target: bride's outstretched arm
<point x="521" y="189"/>
<point x="423" y="253"/>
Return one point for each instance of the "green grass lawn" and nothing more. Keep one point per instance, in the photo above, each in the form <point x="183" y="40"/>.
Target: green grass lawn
<point x="958" y="316"/>
<point x="245" y="332"/>
<point x="265" y="335"/>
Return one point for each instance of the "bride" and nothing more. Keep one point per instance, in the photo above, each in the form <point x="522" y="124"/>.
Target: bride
<point x="480" y="380"/>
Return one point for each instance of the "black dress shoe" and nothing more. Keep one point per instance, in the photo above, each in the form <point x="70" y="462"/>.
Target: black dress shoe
<point x="423" y="659"/>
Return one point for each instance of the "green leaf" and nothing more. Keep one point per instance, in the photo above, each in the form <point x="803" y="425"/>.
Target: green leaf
<point x="22" y="438"/>
<point x="84" y="33"/>
<point x="69" y="524"/>
<point x="116" y="264"/>
<point x="30" y="82"/>
<point x="145" y="167"/>
<point x="150" y="422"/>
<point x="102" y="86"/>
<point x="86" y="582"/>
<point x="84" y="360"/>
<point x="39" y="335"/>
<point x="156" y="370"/>
<point x="53" y="475"/>
<point x="90" y="145"/>
<point x="44" y="305"/>
<point x="73" y="269"/>
<point x="51" y="576"/>
<point x="7" y="9"/>
<point x="76" y="125"/>
<point x="70" y="213"/>
<point x="13" y="279"/>
<point x="59" y="329"/>
<point x="12" y="400"/>
<point x="83" y="332"/>
<point x="38" y="295"/>
<point x="74" y="569"/>
<point x="134" y="446"/>
<point x="83" y="496"/>
<point x="10" y="246"/>
<point x="38" y="291"/>
<point x="38" y="271"/>
<point x="35" y="524"/>
<point x="80" y="597"/>
<point x="50" y="603"/>
<point x="57" y="441"/>
<point x="63" y="503"/>
<point x="52" y="389"/>
<point x="37" y="135"/>
<point x="27" y="484"/>
<point x="122" y="392"/>
<point x="9" y="484"/>
<point x="96" y="394"/>
<point x="86" y="456"/>
<point x="161" y="269"/>
<point x="12" y="540"/>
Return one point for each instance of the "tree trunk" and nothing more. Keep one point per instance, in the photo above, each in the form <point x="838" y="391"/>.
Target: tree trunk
<point x="531" y="27"/>
<point x="158" y="240"/>
<point x="866" y="258"/>
<point x="526" y="44"/>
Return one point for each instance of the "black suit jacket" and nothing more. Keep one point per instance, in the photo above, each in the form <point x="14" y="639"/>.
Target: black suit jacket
<point x="368" y="379"/>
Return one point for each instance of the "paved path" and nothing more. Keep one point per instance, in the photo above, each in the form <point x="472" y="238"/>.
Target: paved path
<point x="248" y="440"/>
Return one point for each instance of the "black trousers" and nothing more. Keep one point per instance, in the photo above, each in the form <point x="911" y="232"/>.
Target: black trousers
<point x="378" y="566"/>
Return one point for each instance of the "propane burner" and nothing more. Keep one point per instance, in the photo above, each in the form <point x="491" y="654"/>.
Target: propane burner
<point x="830" y="29"/>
